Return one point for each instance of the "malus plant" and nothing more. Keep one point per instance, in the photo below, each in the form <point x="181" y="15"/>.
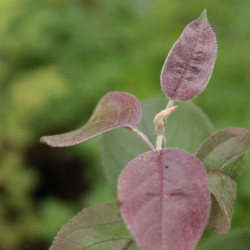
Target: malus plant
<point x="166" y="195"/>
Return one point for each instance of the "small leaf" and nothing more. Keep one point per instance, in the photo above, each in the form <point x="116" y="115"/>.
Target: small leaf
<point x="223" y="189"/>
<point x="223" y="154"/>
<point x="159" y="119"/>
<point x="186" y="129"/>
<point x="98" y="227"/>
<point x="239" y="239"/>
<point x="115" y="109"/>
<point x="224" y="151"/>
<point x="165" y="199"/>
<point x="190" y="63"/>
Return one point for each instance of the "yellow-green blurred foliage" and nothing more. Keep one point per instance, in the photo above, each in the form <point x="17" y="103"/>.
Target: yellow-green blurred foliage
<point x="58" y="57"/>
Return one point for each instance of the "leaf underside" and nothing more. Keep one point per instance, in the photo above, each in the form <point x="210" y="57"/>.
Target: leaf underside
<point x="223" y="189"/>
<point x="98" y="227"/>
<point x="164" y="199"/>
<point x="187" y="128"/>
<point x="116" y="109"/>
<point x="223" y="156"/>
<point x="190" y="63"/>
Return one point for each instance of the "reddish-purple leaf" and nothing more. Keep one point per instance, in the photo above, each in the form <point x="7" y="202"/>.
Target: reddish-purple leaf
<point x="115" y="109"/>
<point x="190" y="62"/>
<point x="188" y="128"/>
<point x="165" y="199"/>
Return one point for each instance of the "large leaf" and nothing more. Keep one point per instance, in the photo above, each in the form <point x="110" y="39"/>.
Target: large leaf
<point x="164" y="199"/>
<point x="223" y="156"/>
<point x="98" y="227"/>
<point x="188" y="126"/>
<point x="223" y="189"/>
<point x="239" y="240"/>
<point x="115" y="109"/>
<point x="117" y="148"/>
<point x="190" y="63"/>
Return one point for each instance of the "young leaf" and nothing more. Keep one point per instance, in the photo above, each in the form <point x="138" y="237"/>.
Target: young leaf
<point x="223" y="156"/>
<point x="190" y="63"/>
<point x="115" y="109"/>
<point x="224" y="151"/>
<point x="98" y="227"/>
<point x="164" y="199"/>
<point x="187" y="129"/>
<point x="223" y="189"/>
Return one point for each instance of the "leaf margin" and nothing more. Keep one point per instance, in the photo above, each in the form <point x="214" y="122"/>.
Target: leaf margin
<point x="75" y="137"/>
<point x="62" y="234"/>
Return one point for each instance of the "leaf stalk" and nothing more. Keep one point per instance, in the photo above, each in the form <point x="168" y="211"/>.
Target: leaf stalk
<point x="160" y="122"/>
<point x="143" y="137"/>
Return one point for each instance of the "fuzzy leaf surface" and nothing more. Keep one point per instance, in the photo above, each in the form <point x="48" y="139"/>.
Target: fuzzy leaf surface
<point x="223" y="189"/>
<point x="98" y="227"/>
<point x="116" y="109"/>
<point x="239" y="239"/>
<point x="164" y="199"/>
<point x="188" y="127"/>
<point x="223" y="156"/>
<point x="190" y="62"/>
<point x="224" y="151"/>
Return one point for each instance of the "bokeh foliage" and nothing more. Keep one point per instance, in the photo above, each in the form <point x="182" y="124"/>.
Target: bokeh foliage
<point x="58" y="58"/>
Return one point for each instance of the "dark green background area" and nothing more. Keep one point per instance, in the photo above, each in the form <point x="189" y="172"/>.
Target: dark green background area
<point x="58" y="58"/>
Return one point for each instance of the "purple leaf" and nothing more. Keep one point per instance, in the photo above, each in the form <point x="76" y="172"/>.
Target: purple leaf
<point x="187" y="129"/>
<point x="190" y="63"/>
<point x="115" y="109"/>
<point x="98" y="227"/>
<point x="165" y="199"/>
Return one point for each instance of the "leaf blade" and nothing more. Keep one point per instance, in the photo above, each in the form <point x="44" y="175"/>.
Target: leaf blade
<point x="159" y="191"/>
<point x="223" y="189"/>
<point x="98" y="227"/>
<point x="238" y="239"/>
<point x="190" y="62"/>
<point x="224" y="151"/>
<point x="187" y="128"/>
<point x="116" y="109"/>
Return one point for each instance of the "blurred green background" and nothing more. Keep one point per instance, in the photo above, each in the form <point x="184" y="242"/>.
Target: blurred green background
<point x="58" y="58"/>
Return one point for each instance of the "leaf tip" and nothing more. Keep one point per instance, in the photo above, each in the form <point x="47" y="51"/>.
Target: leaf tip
<point x="43" y="140"/>
<point x="174" y="108"/>
<point x="203" y="17"/>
